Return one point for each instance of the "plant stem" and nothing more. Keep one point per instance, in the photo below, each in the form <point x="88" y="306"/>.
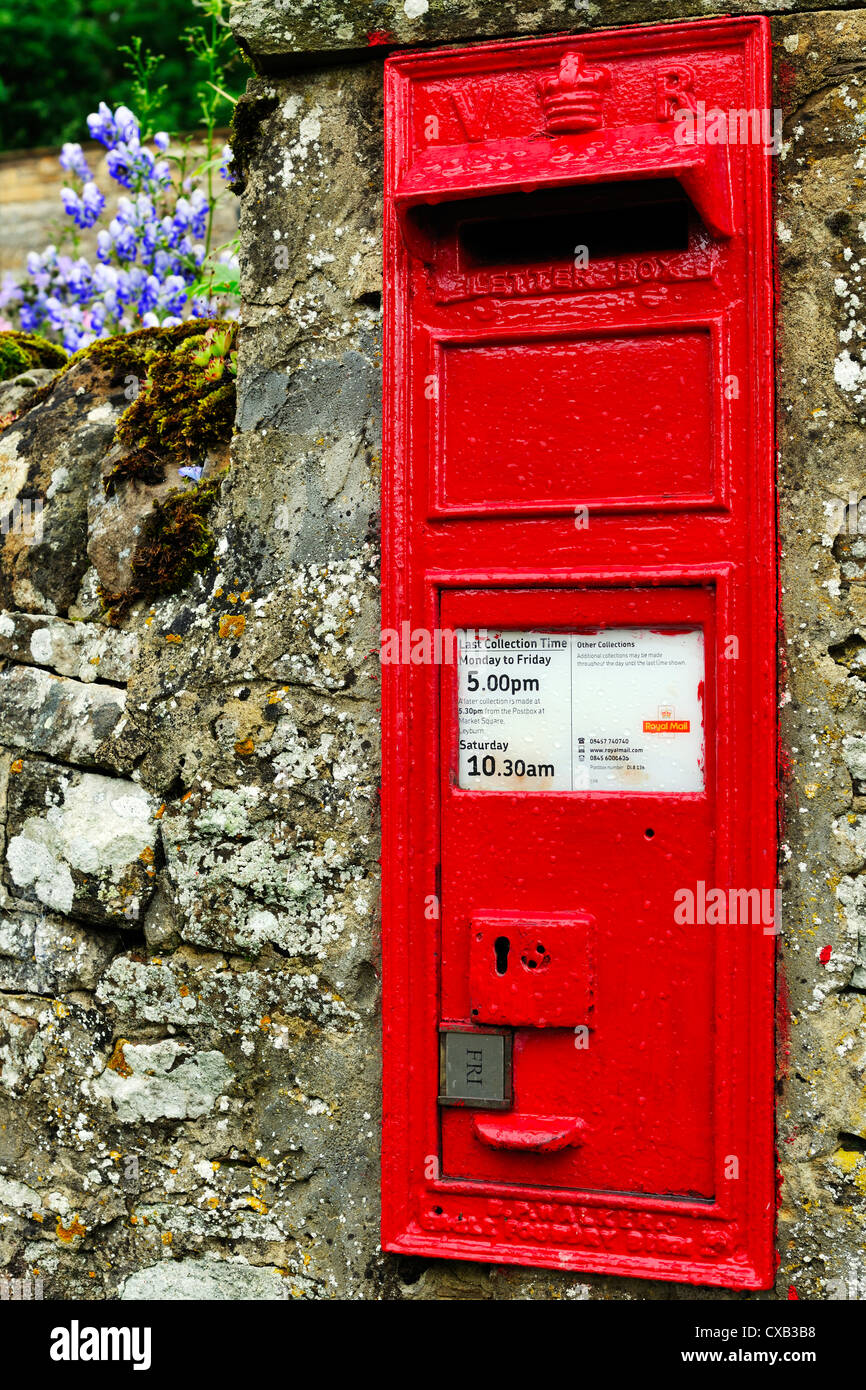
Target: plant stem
<point x="210" y="109"/>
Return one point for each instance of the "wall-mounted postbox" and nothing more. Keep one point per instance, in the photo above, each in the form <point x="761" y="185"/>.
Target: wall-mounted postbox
<point x="578" y="654"/>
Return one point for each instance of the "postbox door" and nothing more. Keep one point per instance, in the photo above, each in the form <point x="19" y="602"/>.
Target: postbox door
<point x="558" y="891"/>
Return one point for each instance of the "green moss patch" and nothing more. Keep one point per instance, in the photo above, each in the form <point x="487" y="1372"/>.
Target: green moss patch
<point x="175" y="543"/>
<point x="185" y="405"/>
<point x="125" y="357"/>
<point x="23" y="352"/>
<point x="183" y="409"/>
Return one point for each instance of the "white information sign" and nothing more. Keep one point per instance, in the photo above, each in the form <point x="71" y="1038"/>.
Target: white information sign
<point x="618" y="709"/>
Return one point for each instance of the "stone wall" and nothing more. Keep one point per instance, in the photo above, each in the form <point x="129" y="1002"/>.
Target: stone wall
<point x="189" y="1027"/>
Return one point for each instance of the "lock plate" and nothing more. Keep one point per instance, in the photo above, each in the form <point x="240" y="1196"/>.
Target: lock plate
<point x="532" y="970"/>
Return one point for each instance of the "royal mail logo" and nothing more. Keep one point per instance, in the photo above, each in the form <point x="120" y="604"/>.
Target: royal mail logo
<point x="666" y="726"/>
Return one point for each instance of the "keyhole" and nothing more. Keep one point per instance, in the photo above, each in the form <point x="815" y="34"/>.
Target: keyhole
<point x="501" y="946"/>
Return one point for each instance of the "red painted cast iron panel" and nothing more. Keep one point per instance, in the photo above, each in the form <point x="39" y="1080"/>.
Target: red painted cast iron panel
<point x="522" y="420"/>
<point x="535" y="969"/>
<point x="578" y="656"/>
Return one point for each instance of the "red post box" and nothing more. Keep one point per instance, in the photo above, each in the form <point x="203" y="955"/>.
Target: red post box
<point x="579" y="654"/>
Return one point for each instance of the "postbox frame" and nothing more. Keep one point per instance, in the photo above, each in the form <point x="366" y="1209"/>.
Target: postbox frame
<point x="727" y="1241"/>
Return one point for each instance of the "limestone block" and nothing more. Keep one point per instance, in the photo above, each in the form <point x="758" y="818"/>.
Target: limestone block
<point x="166" y="1080"/>
<point x="80" y="842"/>
<point x="45" y="955"/>
<point x="85" y="651"/>
<point x="62" y="718"/>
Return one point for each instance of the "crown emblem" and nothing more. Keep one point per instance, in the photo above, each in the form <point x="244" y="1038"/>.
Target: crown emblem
<point x="573" y="100"/>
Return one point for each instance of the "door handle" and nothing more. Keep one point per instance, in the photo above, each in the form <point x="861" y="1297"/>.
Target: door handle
<point x="530" y="1133"/>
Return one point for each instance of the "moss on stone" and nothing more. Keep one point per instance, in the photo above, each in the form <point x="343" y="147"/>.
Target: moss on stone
<point x="185" y="405"/>
<point x="183" y="409"/>
<point x="125" y="355"/>
<point x="23" y="352"/>
<point x="175" y="543"/>
<point x="130" y="352"/>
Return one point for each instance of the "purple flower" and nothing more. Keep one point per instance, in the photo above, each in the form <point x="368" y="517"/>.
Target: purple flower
<point x="73" y="161"/>
<point x="30" y="318"/>
<point x="200" y="212"/>
<point x="190" y="471"/>
<point x="79" y="280"/>
<point x="123" y="237"/>
<point x="109" y="129"/>
<point x="55" y="312"/>
<point x="10" y="291"/>
<point x="92" y="202"/>
<point x="149" y="296"/>
<point x="39" y="267"/>
<point x="147" y="257"/>
<point x="101" y="125"/>
<point x="173" y="295"/>
<point x="84" y="208"/>
<point x="127" y="125"/>
<point x="226" y="171"/>
<point x="118" y="163"/>
<point x="98" y="316"/>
